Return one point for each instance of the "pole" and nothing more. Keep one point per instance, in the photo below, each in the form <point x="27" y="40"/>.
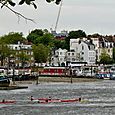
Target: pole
<point x="71" y="75"/>
<point x="13" y="74"/>
<point x="37" y="80"/>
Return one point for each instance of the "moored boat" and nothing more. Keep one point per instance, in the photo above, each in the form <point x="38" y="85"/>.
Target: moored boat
<point x="4" y="81"/>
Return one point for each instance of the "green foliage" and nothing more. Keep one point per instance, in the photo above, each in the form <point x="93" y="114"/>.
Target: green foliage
<point x="12" y="38"/>
<point x="33" y="35"/>
<point x="56" y="1"/>
<point x="5" y="52"/>
<point x="39" y="36"/>
<point x="21" y="2"/>
<point x="41" y="53"/>
<point x="114" y="55"/>
<point x="105" y="58"/>
<point x="59" y="44"/>
<point x="74" y="35"/>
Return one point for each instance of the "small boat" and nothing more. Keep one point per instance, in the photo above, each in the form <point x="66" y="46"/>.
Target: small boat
<point x="4" y="81"/>
<point x="71" y="100"/>
<point x="47" y="100"/>
<point x="7" y="101"/>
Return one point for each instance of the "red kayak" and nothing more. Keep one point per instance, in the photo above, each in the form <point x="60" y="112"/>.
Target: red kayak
<point x="47" y="100"/>
<point x="7" y="102"/>
<point x="71" y="100"/>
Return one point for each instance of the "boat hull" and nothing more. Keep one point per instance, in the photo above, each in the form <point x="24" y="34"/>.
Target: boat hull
<point x="45" y="100"/>
<point x="8" y="102"/>
<point x="4" y="82"/>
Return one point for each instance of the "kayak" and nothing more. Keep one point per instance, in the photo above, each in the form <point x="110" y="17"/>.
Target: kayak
<point x="7" y="102"/>
<point x="46" y="100"/>
<point x="70" y="100"/>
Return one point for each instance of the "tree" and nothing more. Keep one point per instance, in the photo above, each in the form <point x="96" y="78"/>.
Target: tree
<point x="12" y="38"/>
<point x="114" y="55"/>
<point x="5" y="52"/>
<point x="105" y="58"/>
<point x="47" y="39"/>
<point x="39" y="36"/>
<point x="74" y="35"/>
<point x="21" y="2"/>
<point x="41" y="53"/>
<point x="6" y="3"/>
<point x="59" y="44"/>
<point x="34" y="34"/>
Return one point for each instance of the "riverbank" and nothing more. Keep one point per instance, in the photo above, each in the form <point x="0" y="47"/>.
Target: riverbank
<point x="58" y="79"/>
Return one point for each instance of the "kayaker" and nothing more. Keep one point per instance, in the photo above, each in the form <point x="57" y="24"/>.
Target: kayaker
<point x="31" y="98"/>
<point x="79" y="99"/>
<point x="3" y="100"/>
<point x="49" y="98"/>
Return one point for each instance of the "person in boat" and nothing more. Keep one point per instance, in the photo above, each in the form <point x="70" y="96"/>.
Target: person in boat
<point x="49" y="98"/>
<point x="79" y="99"/>
<point x="3" y="100"/>
<point x="31" y="98"/>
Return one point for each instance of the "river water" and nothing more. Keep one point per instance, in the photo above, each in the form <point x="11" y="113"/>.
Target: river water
<point x="99" y="99"/>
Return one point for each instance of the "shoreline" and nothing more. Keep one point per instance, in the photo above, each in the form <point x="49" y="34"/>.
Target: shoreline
<point x="57" y="79"/>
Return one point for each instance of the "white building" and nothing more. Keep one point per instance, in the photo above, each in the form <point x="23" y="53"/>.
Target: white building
<point x="84" y="50"/>
<point x="87" y="52"/>
<point x="27" y="49"/>
<point x="74" y="44"/>
<point x="103" y="44"/>
<point x="59" y="57"/>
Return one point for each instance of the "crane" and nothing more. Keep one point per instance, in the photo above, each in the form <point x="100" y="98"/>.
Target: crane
<point x="58" y="15"/>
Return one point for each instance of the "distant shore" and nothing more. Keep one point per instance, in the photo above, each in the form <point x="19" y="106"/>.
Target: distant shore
<point x="58" y="79"/>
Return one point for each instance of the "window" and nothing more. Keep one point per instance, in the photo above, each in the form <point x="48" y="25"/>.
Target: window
<point x="60" y="53"/>
<point x="72" y="54"/>
<point x="82" y="47"/>
<point x="81" y="58"/>
<point x="73" y="59"/>
<point x="16" y="48"/>
<point x="68" y="59"/>
<point x="60" y="59"/>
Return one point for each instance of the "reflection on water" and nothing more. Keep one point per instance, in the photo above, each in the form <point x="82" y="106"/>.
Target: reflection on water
<point x="98" y="99"/>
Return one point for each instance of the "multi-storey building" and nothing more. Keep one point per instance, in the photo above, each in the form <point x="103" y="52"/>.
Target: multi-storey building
<point x="103" y="44"/>
<point x="84" y="50"/>
<point x="26" y="49"/>
<point x="59" y="58"/>
<point x="87" y="52"/>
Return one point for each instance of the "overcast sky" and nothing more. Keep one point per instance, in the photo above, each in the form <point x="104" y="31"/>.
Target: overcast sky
<point x="91" y="16"/>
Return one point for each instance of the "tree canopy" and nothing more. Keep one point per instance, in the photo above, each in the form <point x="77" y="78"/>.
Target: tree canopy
<point x="12" y="38"/>
<point x="21" y="2"/>
<point x="41" y="53"/>
<point x="105" y="58"/>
